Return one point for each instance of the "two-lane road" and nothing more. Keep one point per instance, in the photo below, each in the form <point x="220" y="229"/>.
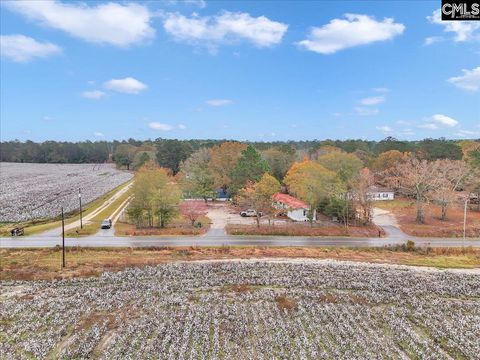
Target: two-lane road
<point x="228" y="240"/>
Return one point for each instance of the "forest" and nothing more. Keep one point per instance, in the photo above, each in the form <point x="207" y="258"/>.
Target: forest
<point x="169" y="153"/>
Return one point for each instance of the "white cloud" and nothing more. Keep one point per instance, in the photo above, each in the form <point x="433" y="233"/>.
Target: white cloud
<point x="160" y="126"/>
<point x="443" y="120"/>
<point x="385" y="129"/>
<point x="354" y="30"/>
<point x="94" y="94"/>
<point x="181" y="126"/>
<point x="224" y="28"/>
<point x="470" y="80"/>
<point x="372" y="100"/>
<point x="200" y="3"/>
<point x="403" y="122"/>
<point x="432" y="40"/>
<point x="127" y="85"/>
<point x="363" y="111"/>
<point x="428" y="126"/>
<point x="219" y="102"/>
<point x="98" y="134"/>
<point x="47" y="118"/>
<point x="21" y="48"/>
<point x="464" y="30"/>
<point x="465" y="133"/>
<point x="106" y="23"/>
<point x="381" y="89"/>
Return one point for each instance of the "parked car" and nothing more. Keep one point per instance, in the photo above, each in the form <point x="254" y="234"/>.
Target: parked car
<point x="250" y="213"/>
<point x="106" y="224"/>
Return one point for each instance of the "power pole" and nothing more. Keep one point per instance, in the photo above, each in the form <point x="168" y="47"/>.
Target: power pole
<point x="63" y="240"/>
<point x="80" y="199"/>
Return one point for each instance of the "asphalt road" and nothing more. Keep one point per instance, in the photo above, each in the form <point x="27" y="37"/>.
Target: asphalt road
<point x="104" y="240"/>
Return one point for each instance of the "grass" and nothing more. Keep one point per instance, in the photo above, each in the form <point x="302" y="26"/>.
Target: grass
<point x="93" y="224"/>
<point x="178" y="227"/>
<point x="38" y="226"/>
<point x="33" y="264"/>
<point x="304" y="230"/>
<point x="405" y="212"/>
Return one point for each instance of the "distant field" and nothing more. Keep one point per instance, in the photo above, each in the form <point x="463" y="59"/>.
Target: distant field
<point x="285" y="309"/>
<point x="37" y="191"/>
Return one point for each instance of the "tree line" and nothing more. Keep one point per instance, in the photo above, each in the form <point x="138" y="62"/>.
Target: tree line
<point x="169" y="153"/>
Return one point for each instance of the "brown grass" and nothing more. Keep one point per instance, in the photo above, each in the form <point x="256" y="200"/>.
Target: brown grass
<point x="33" y="264"/>
<point x="179" y="226"/>
<point x="286" y="303"/>
<point x="404" y="211"/>
<point x="305" y="230"/>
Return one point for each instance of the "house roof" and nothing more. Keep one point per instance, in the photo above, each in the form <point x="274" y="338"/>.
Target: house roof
<point x="290" y="201"/>
<point x="376" y="188"/>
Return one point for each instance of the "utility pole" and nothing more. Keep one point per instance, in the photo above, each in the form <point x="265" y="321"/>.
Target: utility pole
<point x="80" y="199"/>
<point x="465" y="221"/>
<point x="63" y="240"/>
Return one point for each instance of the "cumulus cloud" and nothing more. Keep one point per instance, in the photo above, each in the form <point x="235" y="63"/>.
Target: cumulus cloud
<point x="224" y="28"/>
<point x="127" y="85"/>
<point x="354" y="30"/>
<point x="365" y="111"/>
<point x="470" y="80"/>
<point x="98" y="134"/>
<point x="432" y="40"/>
<point x="374" y="100"/>
<point x="21" y="48"/>
<point x="444" y="120"/>
<point x="106" y="23"/>
<point x="181" y="127"/>
<point x="219" y="102"/>
<point x="439" y="120"/>
<point x="463" y="30"/>
<point x="385" y="129"/>
<point x="160" y="126"/>
<point x="94" y="94"/>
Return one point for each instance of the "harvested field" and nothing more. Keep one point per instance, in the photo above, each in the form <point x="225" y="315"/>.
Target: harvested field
<point x="246" y="309"/>
<point x="37" y="191"/>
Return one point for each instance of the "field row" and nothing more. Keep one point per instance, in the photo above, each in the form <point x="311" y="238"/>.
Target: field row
<point x="246" y="310"/>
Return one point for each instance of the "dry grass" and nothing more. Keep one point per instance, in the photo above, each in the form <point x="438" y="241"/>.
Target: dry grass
<point x="404" y="211"/>
<point x="285" y="303"/>
<point x="32" y="264"/>
<point x="305" y="230"/>
<point x="179" y="226"/>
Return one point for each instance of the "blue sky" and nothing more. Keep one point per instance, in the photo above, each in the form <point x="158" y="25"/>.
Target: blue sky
<point x="239" y="70"/>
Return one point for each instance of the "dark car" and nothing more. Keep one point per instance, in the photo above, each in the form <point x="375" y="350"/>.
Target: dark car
<point x="106" y="224"/>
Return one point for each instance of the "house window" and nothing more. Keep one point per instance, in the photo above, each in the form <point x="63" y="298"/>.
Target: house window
<point x="304" y="212"/>
<point x="385" y="195"/>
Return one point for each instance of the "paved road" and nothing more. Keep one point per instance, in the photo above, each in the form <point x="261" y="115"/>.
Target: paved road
<point x="226" y="240"/>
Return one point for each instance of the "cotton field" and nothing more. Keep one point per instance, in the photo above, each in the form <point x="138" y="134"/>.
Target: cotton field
<point x="37" y="191"/>
<point x="248" y="309"/>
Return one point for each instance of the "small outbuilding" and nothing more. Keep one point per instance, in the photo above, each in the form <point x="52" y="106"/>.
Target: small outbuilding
<point x="379" y="193"/>
<point x="295" y="209"/>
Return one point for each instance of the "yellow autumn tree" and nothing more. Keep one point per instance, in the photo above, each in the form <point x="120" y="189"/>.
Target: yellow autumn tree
<point x="223" y="159"/>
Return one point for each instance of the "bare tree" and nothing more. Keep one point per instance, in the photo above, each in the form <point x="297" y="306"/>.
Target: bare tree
<point x="361" y="194"/>
<point x="415" y="178"/>
<point x="452" y="176"/>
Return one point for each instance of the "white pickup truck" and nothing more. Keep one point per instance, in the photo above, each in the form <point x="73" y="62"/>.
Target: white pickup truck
<point x="249" y="213"/>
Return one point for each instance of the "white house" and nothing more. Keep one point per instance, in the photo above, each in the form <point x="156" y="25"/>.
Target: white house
<point x="296" y="209"/>
<point x="378" y="193"/>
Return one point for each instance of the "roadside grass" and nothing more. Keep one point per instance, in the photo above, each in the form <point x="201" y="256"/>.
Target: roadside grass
<point x="404" y="211"/>
<point x="38" y="226"/>
<point x="93" y="225"/>
<point x="304" y="230"/>
<point x="35" y="264"/>
<point x="179" y="226"/>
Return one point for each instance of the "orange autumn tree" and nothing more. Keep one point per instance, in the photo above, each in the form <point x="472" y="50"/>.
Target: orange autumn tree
<point x="311" y="182"/>
<point x="223" y="159"/>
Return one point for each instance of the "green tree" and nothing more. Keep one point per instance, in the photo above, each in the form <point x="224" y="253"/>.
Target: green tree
<point x="346" y="166"/>
<point x="250" y="167"/>
<point x="198" y="180"/>
<point x="279" y="161"/>
<point x="124" y="155"/>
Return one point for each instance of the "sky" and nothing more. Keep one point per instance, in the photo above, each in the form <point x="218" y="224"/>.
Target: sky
<point x="254" y="70"/>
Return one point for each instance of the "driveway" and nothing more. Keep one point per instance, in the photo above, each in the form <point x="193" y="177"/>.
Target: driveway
<point x="386" y="220"/>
